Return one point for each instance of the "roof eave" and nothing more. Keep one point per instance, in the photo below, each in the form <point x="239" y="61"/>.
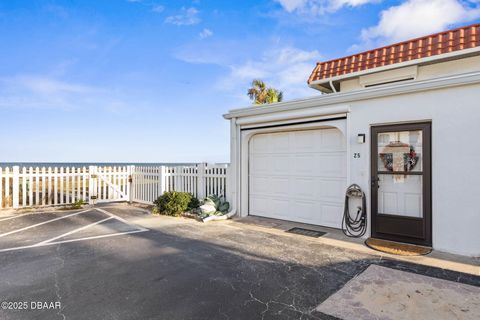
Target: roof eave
<point x="350" y="96"/>
<point x="323" y="85"/>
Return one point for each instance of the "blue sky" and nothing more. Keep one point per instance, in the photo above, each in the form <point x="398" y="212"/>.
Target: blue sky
<point x="148" y="80"/>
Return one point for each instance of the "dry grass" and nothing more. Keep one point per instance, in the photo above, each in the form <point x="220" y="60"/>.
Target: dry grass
<point x="63" y="187"/>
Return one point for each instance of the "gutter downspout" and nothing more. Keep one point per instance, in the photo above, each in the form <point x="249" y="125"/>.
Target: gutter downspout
<point x="232" y="175"/>
<point x="332" y="86"/>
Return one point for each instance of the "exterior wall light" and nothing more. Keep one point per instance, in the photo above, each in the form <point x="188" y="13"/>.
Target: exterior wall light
<point x="361" y="138"/>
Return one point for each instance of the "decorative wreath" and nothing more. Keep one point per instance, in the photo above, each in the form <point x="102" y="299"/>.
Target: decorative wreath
<point x="410" y="159"/>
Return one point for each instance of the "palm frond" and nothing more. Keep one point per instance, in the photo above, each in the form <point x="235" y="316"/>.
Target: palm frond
<point x="259" y="93"/>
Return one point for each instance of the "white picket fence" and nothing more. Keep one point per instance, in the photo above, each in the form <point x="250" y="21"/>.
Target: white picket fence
<point x="37" y="187"/>
<point x="200" y="180"/>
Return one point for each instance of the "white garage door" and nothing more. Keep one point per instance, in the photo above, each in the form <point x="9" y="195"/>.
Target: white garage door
<point x="298" y="176"/>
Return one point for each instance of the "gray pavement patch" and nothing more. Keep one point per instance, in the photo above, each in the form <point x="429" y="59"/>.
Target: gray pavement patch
<point x="385" y="293"/>
<point x="24" y="220"/>
<point x="104" y="227"/>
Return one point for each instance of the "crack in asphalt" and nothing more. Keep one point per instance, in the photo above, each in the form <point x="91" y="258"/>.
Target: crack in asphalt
<point x="292" y="307"/>
<point x="57" y="286"/>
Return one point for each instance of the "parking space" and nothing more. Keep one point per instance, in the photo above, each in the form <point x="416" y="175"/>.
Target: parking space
<point x="42" y="229"/>
<point x="117" y="262"/>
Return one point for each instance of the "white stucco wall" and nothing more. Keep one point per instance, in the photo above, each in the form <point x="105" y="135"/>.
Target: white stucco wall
<point x="455" y="115"/>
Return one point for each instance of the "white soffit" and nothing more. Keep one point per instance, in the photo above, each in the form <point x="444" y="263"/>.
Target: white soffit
<point x="406" y="73"/>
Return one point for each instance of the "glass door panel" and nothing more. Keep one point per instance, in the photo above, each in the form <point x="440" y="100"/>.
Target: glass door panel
<point x="400" y="195"/>
<point x="400" y="151"/>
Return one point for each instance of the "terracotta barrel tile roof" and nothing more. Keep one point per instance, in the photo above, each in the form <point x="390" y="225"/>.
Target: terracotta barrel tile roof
<point x="435" y="44"/>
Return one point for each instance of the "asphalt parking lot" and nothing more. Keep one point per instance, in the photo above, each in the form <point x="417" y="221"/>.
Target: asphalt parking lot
<point x="116" y="262"/>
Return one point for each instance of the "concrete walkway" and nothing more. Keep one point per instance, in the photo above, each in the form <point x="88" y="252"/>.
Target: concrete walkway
<point x="334" y="237"/>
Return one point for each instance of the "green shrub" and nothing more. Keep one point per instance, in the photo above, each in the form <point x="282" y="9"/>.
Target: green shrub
<point x="173" y="203"/>
<point x="193" y="204"/>
<point x="77" y="204"/>
<point x="155" y="211"/>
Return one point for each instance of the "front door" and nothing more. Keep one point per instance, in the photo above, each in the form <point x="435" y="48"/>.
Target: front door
<point x="401" y="183"/>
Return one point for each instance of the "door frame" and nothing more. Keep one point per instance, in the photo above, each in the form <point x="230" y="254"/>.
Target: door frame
<point x="426" y="128"/>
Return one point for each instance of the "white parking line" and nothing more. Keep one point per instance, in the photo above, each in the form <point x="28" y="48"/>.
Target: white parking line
<point x="52" y="241"/>
<point x="74" y="231"/>
<point x="19" y="215"/>
<point x="72" y="240"/>
<point x="97" y="237"/>
<point x="41" y="223"/>
<point x="120" y="219"/>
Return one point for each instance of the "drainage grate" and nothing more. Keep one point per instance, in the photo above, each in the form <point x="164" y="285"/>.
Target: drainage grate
<point x="307" y="232"/>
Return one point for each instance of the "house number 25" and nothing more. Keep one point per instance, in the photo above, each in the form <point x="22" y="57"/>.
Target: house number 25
<point x="356" y="155"/>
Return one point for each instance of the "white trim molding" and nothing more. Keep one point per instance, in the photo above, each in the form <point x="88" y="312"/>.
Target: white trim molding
<point x="351" y="96"/>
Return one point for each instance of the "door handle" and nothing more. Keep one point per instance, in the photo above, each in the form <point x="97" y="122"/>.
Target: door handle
<point x="375" y="181"/>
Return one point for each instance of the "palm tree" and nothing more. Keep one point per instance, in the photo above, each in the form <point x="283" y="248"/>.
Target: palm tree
<point x="260" y="94"/>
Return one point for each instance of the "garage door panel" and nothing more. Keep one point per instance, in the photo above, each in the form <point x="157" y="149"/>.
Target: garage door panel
<point x="306" y="210"/>
<point x="303" y="188"/>
<point x="279" y="143"/>
<point x="298" y="176"/>
<point x="259" y="205"/>
<point x="270" y="186"/>
<point x="260" y="144"/>
<point x="331" y="190"/>
<point x="260" y="184"/>
<point x="304" y="164"/>
<point x="304" y="140"/>
<point x="332" y="139"/>
<point x="332" y="215"/>
<point x="332" y="165"/>
<point x="280" y="186"/>
<point x="280" y="205"/>
<point x="270" y="207"/>
<point x="260" y="165"/>
<point x="280" y="164"/>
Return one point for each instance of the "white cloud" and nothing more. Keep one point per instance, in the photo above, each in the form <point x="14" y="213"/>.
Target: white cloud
<point x="33" y="91"/>
<point x="292" y="5"/>
<point x="158" y="8"/>
<point x="318" y="7"/>
<point x="205" y="33"/>
<point x="47" y="86"/>
<point x="414" y="18"/>
<point x="47" y="92"/>
<point x="286" y="69"/>
<point x="186" y="17"/>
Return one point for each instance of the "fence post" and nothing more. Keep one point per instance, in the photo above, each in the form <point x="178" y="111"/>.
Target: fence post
<point x="130" y="183"/>
<point x="163" y="180"/>
<point x="92" y="190"/>
<point x="15" y="186"/>
<point x="176" y="179"/>
<point x="228" y="183"/>
<point x="201" y="181"/>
